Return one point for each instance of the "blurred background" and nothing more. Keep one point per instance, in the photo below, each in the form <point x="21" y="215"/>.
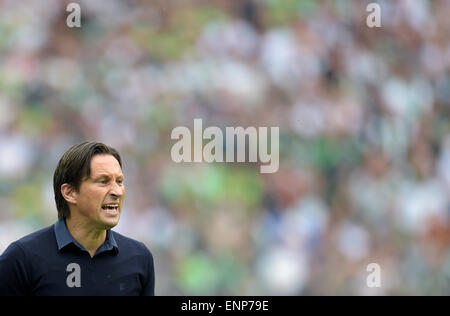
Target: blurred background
<point x="364" y="136"/>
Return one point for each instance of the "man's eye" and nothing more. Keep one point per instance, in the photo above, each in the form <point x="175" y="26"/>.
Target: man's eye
<point x="102" y="181"/>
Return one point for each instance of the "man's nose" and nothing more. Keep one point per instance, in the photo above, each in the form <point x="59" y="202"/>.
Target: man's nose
<point x="117" y="190"/>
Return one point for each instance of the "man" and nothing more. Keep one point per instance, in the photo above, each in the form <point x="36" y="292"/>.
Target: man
<point x="80" y="254"/>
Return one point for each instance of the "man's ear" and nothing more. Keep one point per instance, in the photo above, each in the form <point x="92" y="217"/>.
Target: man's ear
<point x="69" y="193"/>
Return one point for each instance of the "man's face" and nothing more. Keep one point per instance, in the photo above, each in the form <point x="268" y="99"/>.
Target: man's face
<point x="100" y="197"/>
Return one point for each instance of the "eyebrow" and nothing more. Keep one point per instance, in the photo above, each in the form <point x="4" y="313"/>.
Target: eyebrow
<point x="107" y="175"/>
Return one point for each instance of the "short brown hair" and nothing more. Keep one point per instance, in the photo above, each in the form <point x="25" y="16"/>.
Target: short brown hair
<point x="74" y="166"/>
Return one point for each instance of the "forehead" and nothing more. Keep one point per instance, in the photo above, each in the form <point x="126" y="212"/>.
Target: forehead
<point x="105" y="164"/>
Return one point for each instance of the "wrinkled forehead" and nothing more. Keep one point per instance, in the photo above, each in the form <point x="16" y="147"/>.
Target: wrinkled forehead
<point x="105" y="165"/>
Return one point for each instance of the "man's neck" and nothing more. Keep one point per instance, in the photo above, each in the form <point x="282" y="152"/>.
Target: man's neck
<point x="90" y="238"/>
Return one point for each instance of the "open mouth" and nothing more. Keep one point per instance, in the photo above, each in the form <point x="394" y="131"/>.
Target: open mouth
<point x="112" y="208"/>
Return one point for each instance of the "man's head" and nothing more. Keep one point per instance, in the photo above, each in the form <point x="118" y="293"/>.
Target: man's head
<point x="88" y="182"/>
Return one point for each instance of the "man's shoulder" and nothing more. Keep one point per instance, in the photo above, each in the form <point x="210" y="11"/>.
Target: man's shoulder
<point x="130" y="244"/>
<point x="36" y="239"/>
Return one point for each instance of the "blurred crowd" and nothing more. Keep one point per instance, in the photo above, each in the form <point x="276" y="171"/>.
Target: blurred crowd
<point x="364" y="136"/>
